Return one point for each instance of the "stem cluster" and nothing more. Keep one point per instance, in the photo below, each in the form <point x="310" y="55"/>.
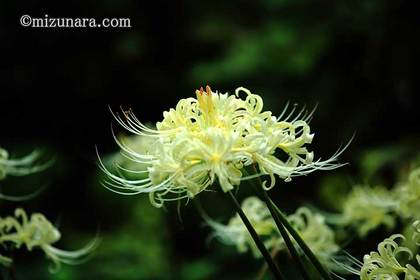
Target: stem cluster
<point x="286" y="230"/>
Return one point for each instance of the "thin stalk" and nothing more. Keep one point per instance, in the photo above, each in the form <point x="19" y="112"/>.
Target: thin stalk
<point x="293" y="252"/>
<point x="264" y="268"/>
<point x="324" y="273"/>
<point x="273" y="267"/>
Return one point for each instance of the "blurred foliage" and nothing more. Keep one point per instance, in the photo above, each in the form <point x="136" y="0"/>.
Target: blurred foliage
<point x="255" y="52"/>
<point x="144" y="255"/>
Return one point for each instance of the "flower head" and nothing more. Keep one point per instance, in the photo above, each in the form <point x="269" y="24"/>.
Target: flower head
<point x="210" y="139"/>
<point x="38" y="232"/>
<point x="366" y="208"/>
<point x="388" y="263"/>
<point x="384" y="263"/>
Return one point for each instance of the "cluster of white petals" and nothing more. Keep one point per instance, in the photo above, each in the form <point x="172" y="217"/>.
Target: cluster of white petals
<point x="391" y="261"/>
<point x="311" y="227"/>
<point x="38" y="232"/>
<point x="366" y="208"/>
<point x="408" y="195"/>
<point x="386" y="262"/>
<point x="211" y="138"/>
<point x="21" y="166"/>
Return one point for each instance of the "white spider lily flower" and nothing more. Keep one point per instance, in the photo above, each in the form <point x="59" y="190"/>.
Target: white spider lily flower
<point x="408" y="195"/>
<point x="311" y="227"/>
<point x="38" y="232"/>
<point x="388" y="261"/>
<point x="366" y="208"/>
<point x="210" y="139"/>
<point x="384" y="263"/>
<point x="26" y="165"/>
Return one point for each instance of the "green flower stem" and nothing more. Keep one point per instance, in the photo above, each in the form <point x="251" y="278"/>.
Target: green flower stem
<point x="273" y="267"/>
<point x="295" y="255"/>
<point x="324" y="273"/>
<point x="293" y="252"/>
<point x="282" y="219"/>
<point x="264" y="268"/>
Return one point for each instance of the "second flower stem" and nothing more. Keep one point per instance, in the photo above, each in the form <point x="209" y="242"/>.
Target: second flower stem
<point x="273" y="267"/>
<point x="324" y="273"/>
<point x="293" y="252"/>
<point x="281" y="219"/>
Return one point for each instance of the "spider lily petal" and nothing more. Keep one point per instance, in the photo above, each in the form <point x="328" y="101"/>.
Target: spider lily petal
<point x="36" y="232"/>
<point x="26" y="165"/>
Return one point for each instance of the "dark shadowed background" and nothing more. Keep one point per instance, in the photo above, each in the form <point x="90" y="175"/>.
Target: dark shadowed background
<point x="358" y="60"/>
